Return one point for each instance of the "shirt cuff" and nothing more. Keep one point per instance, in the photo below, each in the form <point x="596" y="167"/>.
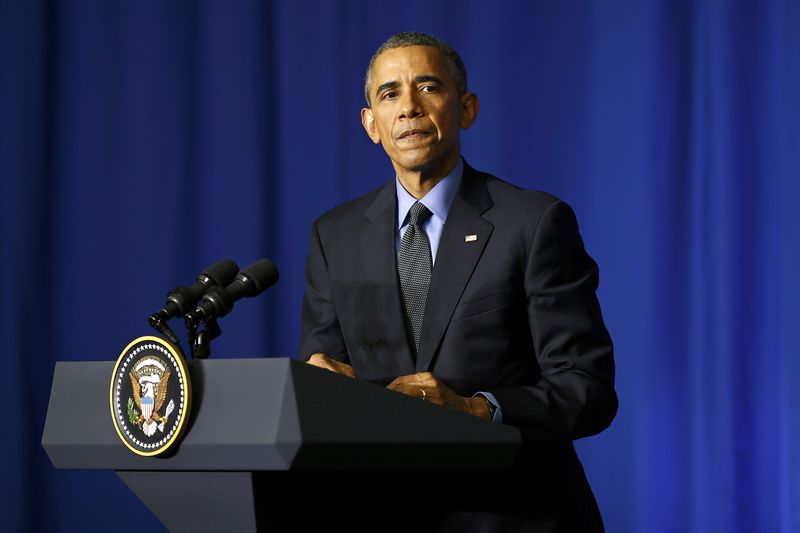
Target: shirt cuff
<point x="498" y="413"/>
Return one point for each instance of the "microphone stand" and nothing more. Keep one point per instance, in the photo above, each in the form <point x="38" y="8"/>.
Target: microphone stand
<point x="200" y="342"/>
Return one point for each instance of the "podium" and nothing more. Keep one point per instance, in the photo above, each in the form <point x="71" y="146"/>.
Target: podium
<point x="268" y="435"/>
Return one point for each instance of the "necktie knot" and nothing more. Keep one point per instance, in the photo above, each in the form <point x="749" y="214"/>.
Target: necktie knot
<point x="418" y="214"/>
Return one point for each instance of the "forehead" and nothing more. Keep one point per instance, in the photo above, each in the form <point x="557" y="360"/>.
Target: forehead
<point x="410" y="61"/>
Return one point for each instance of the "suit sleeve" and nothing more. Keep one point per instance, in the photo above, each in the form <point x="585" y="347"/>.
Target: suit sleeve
<point x="575" y="395"/>
<point x="320" y="324"/>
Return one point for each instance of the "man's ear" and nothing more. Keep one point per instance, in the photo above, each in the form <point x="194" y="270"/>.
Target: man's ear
<point x="368" y="121"/>
<point x="470" y="107"/>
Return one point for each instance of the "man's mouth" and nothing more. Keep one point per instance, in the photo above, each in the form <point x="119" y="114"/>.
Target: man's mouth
<point x="412" y="133"/>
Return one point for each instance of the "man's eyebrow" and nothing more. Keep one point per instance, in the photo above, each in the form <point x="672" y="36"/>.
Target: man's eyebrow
<point x="428" y="77"/>
<point x="388" y="85"/>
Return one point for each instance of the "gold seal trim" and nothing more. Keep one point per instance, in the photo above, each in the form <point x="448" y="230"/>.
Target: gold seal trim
<point x="187" y="392"/>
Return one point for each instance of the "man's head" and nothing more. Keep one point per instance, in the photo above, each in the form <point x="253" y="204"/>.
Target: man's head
<point x="413" y="38"/>
<point x="418" y="102"/>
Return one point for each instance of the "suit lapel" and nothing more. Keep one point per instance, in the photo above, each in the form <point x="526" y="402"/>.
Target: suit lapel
<point x="378" y="249"/>
<point x="456" y="258"/>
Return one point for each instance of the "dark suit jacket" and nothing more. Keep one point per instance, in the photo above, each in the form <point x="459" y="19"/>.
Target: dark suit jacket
<point x="512" y="312"/>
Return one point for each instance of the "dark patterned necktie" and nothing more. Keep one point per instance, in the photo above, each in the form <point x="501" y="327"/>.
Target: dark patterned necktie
<point x="414" y="269"/>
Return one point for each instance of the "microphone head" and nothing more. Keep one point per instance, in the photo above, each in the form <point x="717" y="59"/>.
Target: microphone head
<point x="261" y="275"/>
<point x="221" y="273"/>
<point x="216" y="303"/>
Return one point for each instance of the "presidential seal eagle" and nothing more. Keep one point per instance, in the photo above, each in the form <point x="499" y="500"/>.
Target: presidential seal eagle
<point x="149" y="382"/>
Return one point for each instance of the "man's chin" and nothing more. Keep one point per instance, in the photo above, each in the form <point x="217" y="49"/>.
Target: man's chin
<point x="424" y="163"/>
<point x="419" y="160"/>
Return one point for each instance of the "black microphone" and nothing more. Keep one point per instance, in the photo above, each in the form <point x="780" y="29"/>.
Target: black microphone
<point x="181" y="299"/>
<point x="251" y="281"/>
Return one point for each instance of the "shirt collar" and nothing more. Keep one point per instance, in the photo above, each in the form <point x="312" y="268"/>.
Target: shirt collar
<point x="438" y="199"/>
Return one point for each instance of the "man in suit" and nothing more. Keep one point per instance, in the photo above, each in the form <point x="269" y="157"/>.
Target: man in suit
<point x="453" y="286"/>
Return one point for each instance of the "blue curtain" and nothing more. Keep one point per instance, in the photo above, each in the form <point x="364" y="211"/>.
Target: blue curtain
<point x="141" y="141"/>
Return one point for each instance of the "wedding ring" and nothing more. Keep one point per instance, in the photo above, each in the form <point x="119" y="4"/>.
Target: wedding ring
<point x="424" y="394"/>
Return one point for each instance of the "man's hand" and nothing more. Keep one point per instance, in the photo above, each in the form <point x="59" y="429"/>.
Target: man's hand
<point x="323" y="361"/>
<point x="426" y="386"/>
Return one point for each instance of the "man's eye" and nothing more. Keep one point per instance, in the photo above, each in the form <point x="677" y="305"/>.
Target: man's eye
<point x="389" y="95"/>
<point x="429" y="89"/>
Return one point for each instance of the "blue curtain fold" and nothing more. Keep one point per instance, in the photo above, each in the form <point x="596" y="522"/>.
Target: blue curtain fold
<point x="140" y="142"/>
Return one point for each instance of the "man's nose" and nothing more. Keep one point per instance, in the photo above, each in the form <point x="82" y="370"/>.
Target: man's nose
<point x="410" y="105"/>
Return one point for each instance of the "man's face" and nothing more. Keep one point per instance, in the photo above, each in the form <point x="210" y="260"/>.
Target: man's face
<point x="416" y="112"/>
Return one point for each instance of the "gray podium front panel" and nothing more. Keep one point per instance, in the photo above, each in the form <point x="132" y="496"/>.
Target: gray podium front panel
<point x="274" y="414"/>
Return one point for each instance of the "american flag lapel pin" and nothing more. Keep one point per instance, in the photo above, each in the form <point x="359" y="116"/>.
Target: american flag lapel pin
<point x="470" y="238"/>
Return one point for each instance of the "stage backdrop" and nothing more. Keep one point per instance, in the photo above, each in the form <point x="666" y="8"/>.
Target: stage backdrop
<point x="142" y="141"/>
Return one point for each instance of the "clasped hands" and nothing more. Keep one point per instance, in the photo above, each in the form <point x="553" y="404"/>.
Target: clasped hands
<point x="423" y="385"/>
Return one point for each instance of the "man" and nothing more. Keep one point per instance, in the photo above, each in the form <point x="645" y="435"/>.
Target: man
<point x="458" y="288"/>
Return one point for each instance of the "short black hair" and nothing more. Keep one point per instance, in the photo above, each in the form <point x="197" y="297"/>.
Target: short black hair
<point x="414" y="38"/>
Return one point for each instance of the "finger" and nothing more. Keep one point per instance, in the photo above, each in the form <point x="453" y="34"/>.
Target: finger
<point x="325" y="363"/>
<point x="413" y="391"/>
<point x="316" y="357"/>
<point x="319" y="360"/>
<point x="396" y="385"/>
<point x="417" y="391"/>
<point x="422" y="377"/>
<point x="342" y="368"/>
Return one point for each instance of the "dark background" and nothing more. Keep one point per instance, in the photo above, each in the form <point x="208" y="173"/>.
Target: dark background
<point x="142" y="141"/>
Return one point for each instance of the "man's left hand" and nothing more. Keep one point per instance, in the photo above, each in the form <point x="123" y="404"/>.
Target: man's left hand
<point x="428" y="387"/>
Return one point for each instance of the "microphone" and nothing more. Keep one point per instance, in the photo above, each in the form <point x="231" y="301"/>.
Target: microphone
<point x="251" y="281"/>
<point x="181" y="299"/>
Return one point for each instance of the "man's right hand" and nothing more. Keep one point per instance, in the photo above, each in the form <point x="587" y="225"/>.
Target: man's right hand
<point x="323" y="361"/>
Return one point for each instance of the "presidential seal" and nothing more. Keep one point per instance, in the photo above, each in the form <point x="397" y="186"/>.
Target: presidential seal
<point x="150" y="396"/>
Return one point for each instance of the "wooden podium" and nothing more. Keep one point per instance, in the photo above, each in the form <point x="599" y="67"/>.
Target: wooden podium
<point x="267" y="436"/>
